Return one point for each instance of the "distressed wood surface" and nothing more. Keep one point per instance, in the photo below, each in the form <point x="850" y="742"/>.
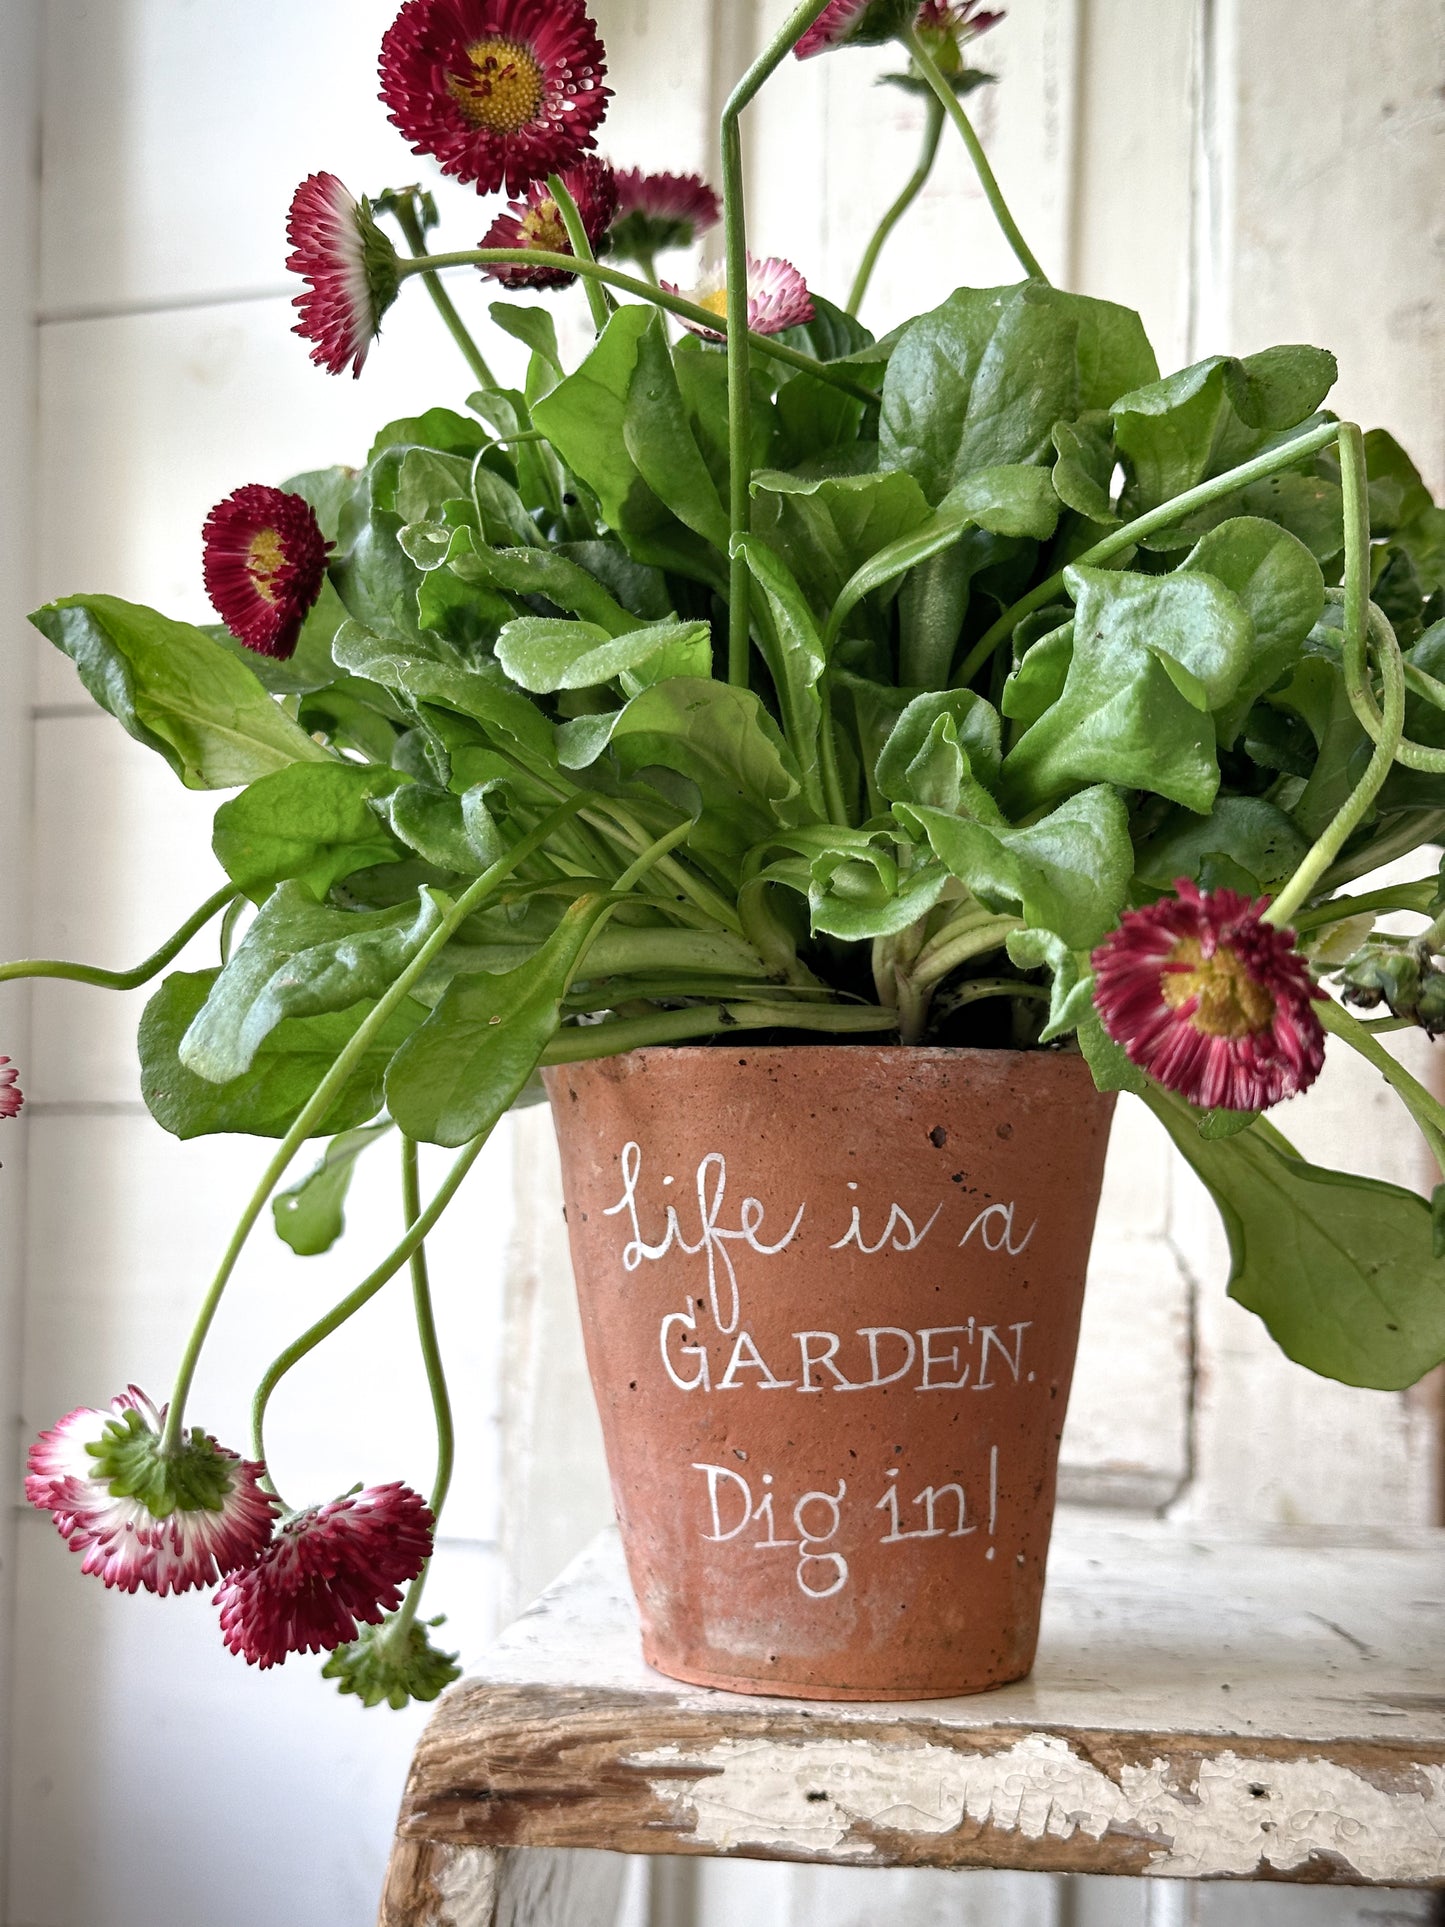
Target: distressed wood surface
<point x="433" y="1885"/>
<point x="1260" y="1707"/>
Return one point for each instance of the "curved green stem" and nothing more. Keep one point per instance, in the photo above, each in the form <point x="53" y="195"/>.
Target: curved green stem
<point x="1316" y="862"/>
<point x="1423" y="1106"/>
<point x="322" y="1098"/>
<point x="1376" y="626"/>
<point x="740" y="427"/>
<point x="934" y="963"/>
<point x="123" y="979"/>
<point x="676" y="304"/>
<point x="436" y="1379"/>
<point x="1133" y="532"/>
<point x="1398" y="896"/>
<point x="582" y="248"/>
<point x="953" y="107"/>
<point x="361" y="1294"/>
<point x="932" y="129"/>
<point x="411" y="227"/>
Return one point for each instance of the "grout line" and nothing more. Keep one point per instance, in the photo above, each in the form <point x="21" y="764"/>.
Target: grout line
<point x="87" y="1107"/>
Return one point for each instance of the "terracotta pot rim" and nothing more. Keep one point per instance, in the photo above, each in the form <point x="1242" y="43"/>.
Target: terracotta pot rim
<point x="914" y="1053"/>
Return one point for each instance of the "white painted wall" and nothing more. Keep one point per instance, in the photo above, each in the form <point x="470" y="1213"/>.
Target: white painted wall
<point x="1236" y="186"/>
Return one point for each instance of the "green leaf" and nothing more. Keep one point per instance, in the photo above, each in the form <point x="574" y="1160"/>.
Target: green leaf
<point x="533" y="327"/>
<point x="544" y="654"/>
<point x="268" y="1098"/>
<point x="311" y="1216"/>
<point x="658" y="436"/>
<point x="312" y="821"/>
<point x="1037" y="679"/>
<point x="175" y="690"/>
<point x="439" y="428"/>
<point x="543" y="572"/>
<point x="983" y="379"/>
<point x="429" y="670"/>
<point x="298" y="959"/>
<point x="1151" y="655"/>
<point x="467" y="1064"/>
<point x="718" y="737"/>
<point x="793" y="649"/>
<point x="1071" y="990"/>
<point x="1068" y="873"/>
<point x="1245" y="843"/>
<point x="1280" y="585"/>
<point x="1340" y="1268"/>
<point x="862" y="894"/>
<point x="1083" y="473"/>
<point x="899" y="771"/>
<point x="827" y="527"/>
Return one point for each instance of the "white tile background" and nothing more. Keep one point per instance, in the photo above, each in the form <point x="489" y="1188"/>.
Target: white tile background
<point x="1238" y="186"/>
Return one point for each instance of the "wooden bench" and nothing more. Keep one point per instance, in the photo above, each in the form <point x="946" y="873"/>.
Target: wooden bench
<point x="1202" y="1708"/>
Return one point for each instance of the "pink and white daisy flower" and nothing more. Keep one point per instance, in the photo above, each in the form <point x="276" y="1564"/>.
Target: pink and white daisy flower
<point x="537" y="223"/>
<point x="848" y="23"/>
<point x="350" y="269"/>
<point x="957" y="20"/>
<point x="326" y="1572"/>
<point x="778" y="298"/>
<point x="11" y="1096"/>
<point x="659" y="211"/>
<point x="264" y="564"/>
<point x="502" y="92"/>
<point x="1211" y="1001"/>
<point x="143" y="1520"/>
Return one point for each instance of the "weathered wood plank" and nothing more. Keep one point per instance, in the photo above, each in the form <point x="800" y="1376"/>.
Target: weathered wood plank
<point x="1202" y="1708"/>
<point x="434" y="1885"/>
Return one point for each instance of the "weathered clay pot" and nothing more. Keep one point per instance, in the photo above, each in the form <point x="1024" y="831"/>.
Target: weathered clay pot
<point x="831" y="1300"/>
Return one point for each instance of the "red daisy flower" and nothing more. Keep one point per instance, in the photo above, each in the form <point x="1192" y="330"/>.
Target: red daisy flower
<point x="167" y="1524"/>
<point x="327" y="1571"/>
<point x="265" y="562"/>
<point x="657" y="211"/>
<point x="778" y="298"/>
<point x="1211" y="1001"/>
<point x="349" y="267"/>
<point x="536" y="223"/>
<point x="848" y="23"/>
<point x="502" y="92"/>
<point x="11" y="1096"/>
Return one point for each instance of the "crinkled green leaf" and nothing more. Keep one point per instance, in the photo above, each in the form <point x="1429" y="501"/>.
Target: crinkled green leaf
<point x="1068" y="873"/>
<point x="1150" y="656"/>
<point x="468" y="1063"/>
<point x="658" y="436"/>
<point x="1071" y="988"/>
<point x="899" y="774"/>
<point x="175" y="690"/>
<point x="1083" y="473"/>
<point x="1246" y="843"/>
<point x="300" y="958"/>
<point x="265" y="1100"/>
<point x="539" y="572"/>
<point x="313" y="822"/>
<point x="430" y="670"/>
<point x="545" y="654"/>
<point x="1280" y="585"/>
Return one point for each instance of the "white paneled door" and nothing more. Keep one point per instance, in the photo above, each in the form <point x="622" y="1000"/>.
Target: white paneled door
<point x="1241" y="174"/>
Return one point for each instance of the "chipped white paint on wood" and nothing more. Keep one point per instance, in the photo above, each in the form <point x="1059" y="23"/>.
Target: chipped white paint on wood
<point x="1241" y="1815"/>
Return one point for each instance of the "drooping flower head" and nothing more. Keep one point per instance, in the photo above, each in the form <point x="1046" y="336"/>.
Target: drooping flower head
<point x="854" y="23"/>
<point x="537" y="223"/>
<point x="350" y="270"/>
<point x="326" y="1572"/>
<point x="11" y="1096"/>
<point x="382" y="1663"/>
<point x="265" y="561"/>
<point x="942" y="21"/>
<point x="778" y="298"/>
<point x="660" y="211"/>
<point x="1211" y="1001"/>
<point x="167" y="1524"/>
<point x="502" y="92"/>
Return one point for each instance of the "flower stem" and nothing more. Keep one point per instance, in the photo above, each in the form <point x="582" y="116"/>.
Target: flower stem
<point x="932" y="129"/>
<point x="1316" y="861"/>
<point x="411" y="227"/>
<point x="738" y="340"/>
<point x="361" y="1294"/>
<point x="1362" y="698"/>
<point x="1133" y="532"/>
<point x="953" y="107"/>
<point x="1425" y="1108"/>
<point x="1397" y="896"/>
<point x="677" y="304"/>
<point x="597" y="299"/>
<point x="123" y="979"/>
<point x="322" y="1098"/>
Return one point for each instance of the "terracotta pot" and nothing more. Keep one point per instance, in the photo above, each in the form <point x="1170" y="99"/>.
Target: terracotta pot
<point x="831" y="1299"/>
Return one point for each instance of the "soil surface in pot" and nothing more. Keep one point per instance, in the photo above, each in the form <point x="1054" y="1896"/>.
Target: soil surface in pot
<point x="831" y="1300"/>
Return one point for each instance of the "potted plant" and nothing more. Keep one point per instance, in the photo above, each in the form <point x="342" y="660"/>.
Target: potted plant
<point x="834" y="767"/>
